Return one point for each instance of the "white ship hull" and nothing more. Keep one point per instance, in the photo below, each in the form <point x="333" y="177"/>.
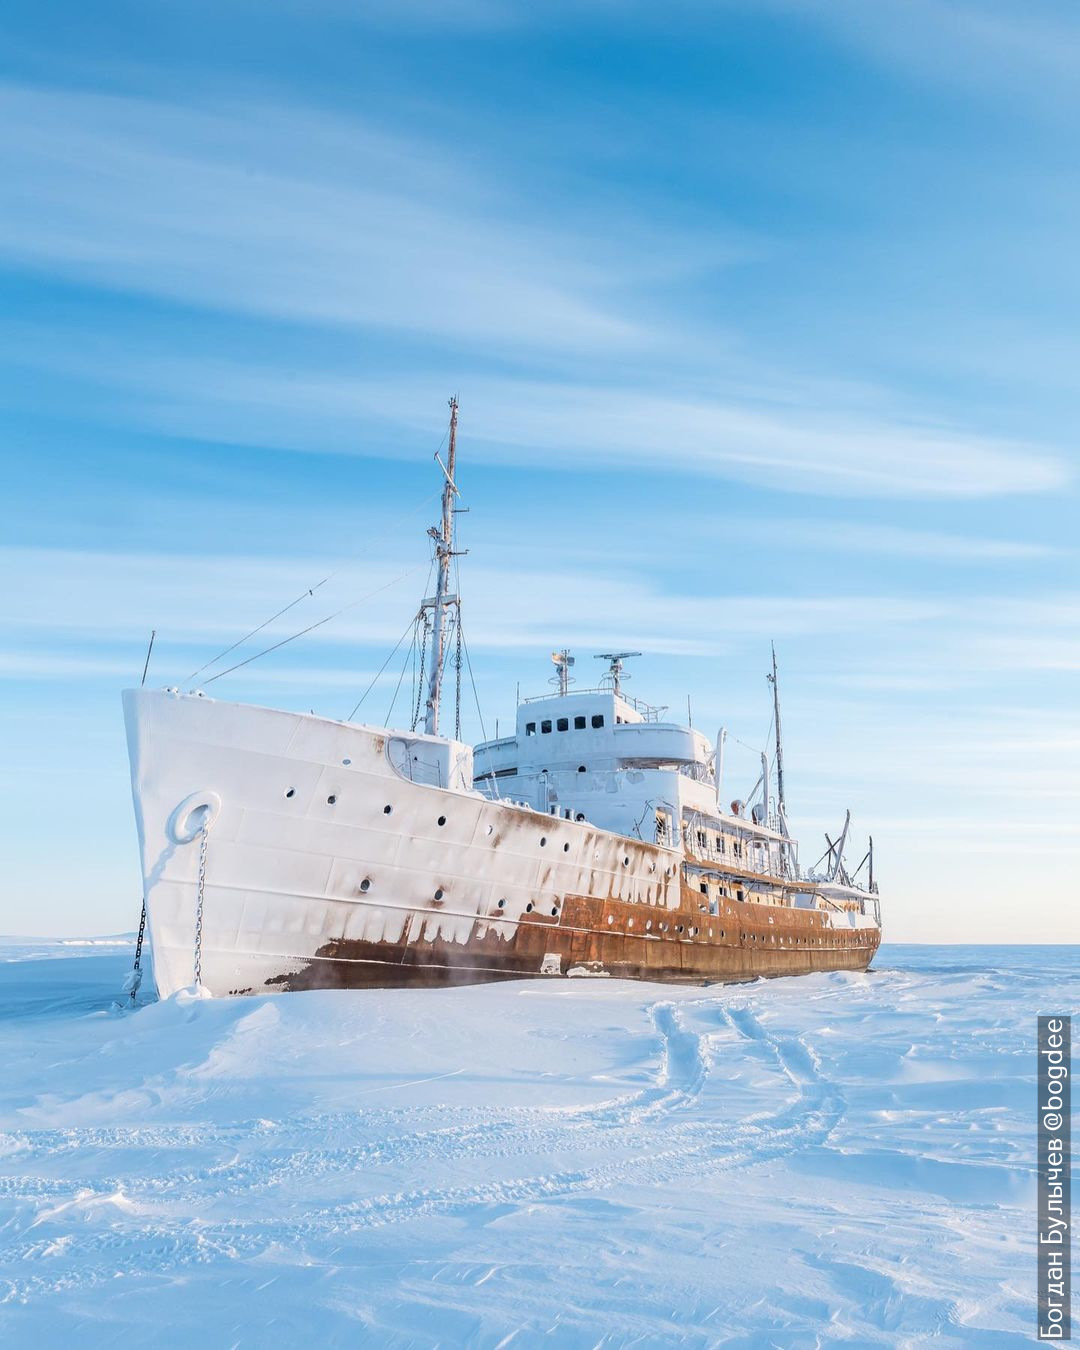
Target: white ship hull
<point x="306" y="867"/>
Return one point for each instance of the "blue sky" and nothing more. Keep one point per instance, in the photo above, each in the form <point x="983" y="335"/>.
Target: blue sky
<point x="762" y="320"/>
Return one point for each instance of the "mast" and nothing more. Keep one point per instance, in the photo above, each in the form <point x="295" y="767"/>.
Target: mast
<point x="562" y="661"/>
<point x="718" y="765"/>
<point x="443" y="535"/>
<point x="780" y="801"/>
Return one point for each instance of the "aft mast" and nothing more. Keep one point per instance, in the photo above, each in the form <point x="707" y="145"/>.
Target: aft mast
<point x="780" y="801"/>
<point x="443" y="535"/>
<point x="789" y="850"/>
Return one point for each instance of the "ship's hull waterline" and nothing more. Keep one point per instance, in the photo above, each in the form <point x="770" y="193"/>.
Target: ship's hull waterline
<point x="325" y="867"/>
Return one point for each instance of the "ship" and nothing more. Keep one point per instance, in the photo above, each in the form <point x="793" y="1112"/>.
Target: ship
<point x="283" y="851"/>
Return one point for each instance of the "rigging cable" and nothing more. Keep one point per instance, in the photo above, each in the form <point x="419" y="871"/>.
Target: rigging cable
<point x="479" y="714"/>
<point x="401" y="678"/>
<point x="347" y="562"/>
<point x="375" y="677"/>
<point x="311" y="627"/>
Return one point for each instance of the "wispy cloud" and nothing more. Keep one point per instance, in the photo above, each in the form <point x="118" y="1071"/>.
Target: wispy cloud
<point x="805" y="447"/>
<point x="282" y="212"/>
<point x="894" y="541"/>
<point x="289" y="213"/>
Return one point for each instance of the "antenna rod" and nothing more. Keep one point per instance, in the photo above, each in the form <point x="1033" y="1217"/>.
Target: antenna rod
<point x="780" y="799"/>
<point x="146" y="667"/>
<point x="444" y="548"/>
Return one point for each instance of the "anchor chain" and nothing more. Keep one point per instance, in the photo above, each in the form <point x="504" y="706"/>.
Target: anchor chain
<point x="134" y="978"/>
<point x="136" y="969"/>
<point x="204" y="834"/>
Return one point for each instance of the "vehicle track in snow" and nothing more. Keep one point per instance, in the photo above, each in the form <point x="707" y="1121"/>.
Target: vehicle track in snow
<point x="665" y="1131"/>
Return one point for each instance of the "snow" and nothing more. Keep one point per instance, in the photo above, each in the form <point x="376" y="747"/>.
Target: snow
<point x="836" y="1159"/>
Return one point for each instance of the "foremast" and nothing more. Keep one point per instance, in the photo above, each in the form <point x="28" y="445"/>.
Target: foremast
<point x="443" y="535"/>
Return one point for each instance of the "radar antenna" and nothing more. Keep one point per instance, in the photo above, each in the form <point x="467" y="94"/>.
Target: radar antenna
<point x="563" y="661"/>
<point x="614" y="672"/>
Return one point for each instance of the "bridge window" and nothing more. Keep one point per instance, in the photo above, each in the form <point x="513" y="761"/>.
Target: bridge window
<point x="545" y="727"/>
<point x="563" y="724"/>
<point x="530" y="728"/>
<point x="579" y="723"/>
<point x="704" y="888"/>
<point x="598" y="719"/>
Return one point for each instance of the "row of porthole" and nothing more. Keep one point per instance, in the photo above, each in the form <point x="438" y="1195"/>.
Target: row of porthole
<point x="365" y="886"/>
<point x="799" y="942"/>
<point x="679" y="928"/>
<point x="751" y="937"/>
<point x="387" y="810"/>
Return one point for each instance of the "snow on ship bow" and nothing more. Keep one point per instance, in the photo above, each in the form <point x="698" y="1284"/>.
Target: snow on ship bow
<point x="289" y="851"/>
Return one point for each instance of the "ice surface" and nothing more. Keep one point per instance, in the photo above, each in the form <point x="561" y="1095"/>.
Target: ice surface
<point x="837" y="1159"/>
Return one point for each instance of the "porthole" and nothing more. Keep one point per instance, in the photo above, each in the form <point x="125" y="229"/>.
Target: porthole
<point x="365" y="885"/>
<point x="331" y="799"/>
<point x="490" y="829"/>
<point x="692" y="932"/>
<point x="626" y="862"/>
<point x="346" y="762"/>
<point x="648" y="923"/>
<point x="663" y="928"/>
<point x="566" y="848"/>
<point x="543" y="841"/>
<point x="441" y="820"/>
<point x="291" y="792"/>
<point x="678" y="928"/>
<point x="629" y="923"/>
<point x="554" y="911"/>
<point x="611" y="918"/>
<point x="386" y="810"/>
<point x="529" y="908"/>
<point x="439" y="894"/>
<point x="502" y="904"/>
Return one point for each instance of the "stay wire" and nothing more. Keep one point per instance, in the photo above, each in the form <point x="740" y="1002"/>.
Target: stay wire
<point x="311" y="627"/>
<point x="409" y="656"/>
<point x="479" y="713"/>
<point x="375" y="677"/>
<point x="347" y="562"/>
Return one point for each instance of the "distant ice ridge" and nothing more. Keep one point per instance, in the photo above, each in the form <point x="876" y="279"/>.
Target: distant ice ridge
<point x="834" y="1159"/>
<point x="16" y="948"/>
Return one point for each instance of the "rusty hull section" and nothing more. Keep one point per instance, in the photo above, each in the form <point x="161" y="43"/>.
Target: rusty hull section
<point x="648" y="926"/>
